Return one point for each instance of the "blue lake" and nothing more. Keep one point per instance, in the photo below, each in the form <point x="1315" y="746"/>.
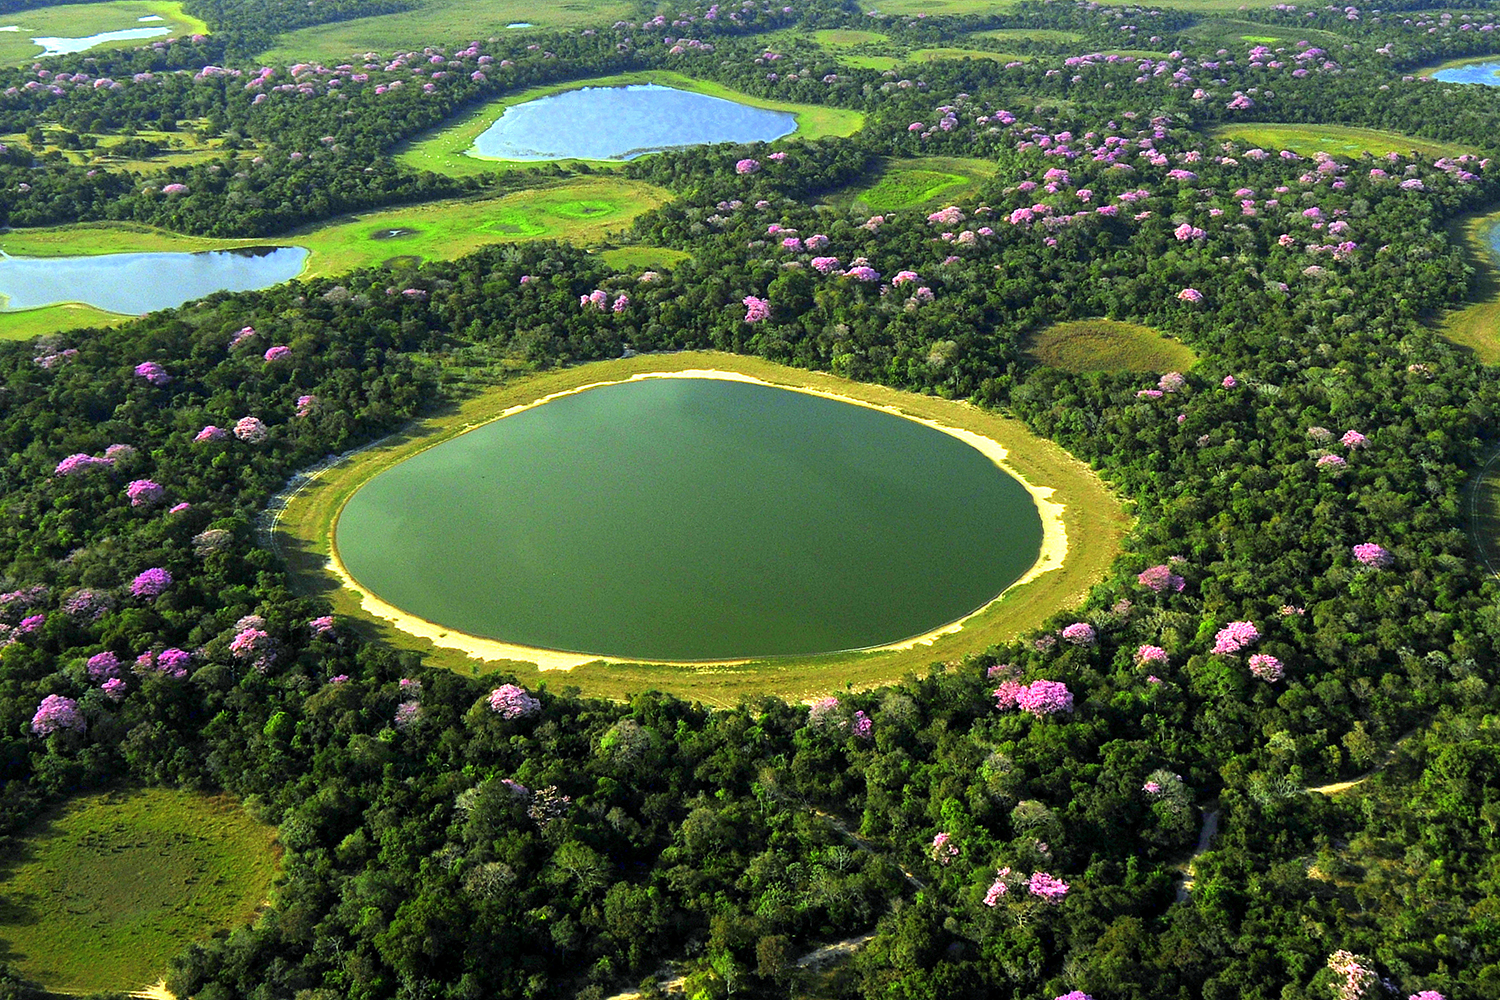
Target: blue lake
<point x="621" y="123"/>
<point x="66" y="46"/>
<point x="135" y="283"/>
<point x="1484" y="72"/>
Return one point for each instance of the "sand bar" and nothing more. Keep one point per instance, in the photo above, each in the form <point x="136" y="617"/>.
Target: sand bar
<point x="1053" y="551"/>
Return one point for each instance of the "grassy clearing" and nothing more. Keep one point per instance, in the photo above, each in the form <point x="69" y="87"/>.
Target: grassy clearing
<point x="835" y="37"/>
<point x="81" y="20"/>
<point x="1477" y="325"/>
<point x="445" y="150"/>
<point x="1106" y="345"/>
<point x="105" y="890"/>
<point x="1031" y="35"/>
<point x="933" y="55"/>
<point x="582" y="211"/>
<point x="27" y="323"/>
<point x="439" y="22"/>
<point x="1338" y="140"/>
<point x="643" y="258"/>
<point x="1234" y="33"/>
<point x="126" y="152"/>
<point x="933" y="8"/>
<point x="1093" y="519"/>
<point x="915" y="182"/>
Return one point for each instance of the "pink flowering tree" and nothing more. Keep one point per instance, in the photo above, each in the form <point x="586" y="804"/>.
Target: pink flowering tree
<point x="1234" y="637"/>
<point x="747" y="166"/>
<point x="151" y="583"/>
<point x="1266" y="667"/>
<point x="1080" y="634"/>
<point x="251" y="430"/>
<point x="1354" y="976"/>
<point x="1041" y="698"/>
<point x="1375" y="556"/>
<point x="1147" y="655"/>
<point x="145" y="493"/>
<point x="1161" y="579"/>
<point x="943" y="849"/>
<point x="278" y="353"/>
<point x="512" y="702"/>
<point x="152" y="373"/>
<point x="57" y="714"/>
<point x="756" y="309"/>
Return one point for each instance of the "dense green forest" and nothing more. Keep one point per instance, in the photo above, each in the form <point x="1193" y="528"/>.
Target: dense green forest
<point x="1299" y="602"/>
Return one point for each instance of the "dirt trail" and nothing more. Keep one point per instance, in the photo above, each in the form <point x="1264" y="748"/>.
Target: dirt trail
<point x="1205" y="838"/>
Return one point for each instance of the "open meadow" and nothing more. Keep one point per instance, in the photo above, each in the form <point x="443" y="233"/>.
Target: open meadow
<point x="1337" y="140"/>
<point x="84" y="19"/>
<point x="105" y="889"/>
<point x="1106" y="345"/>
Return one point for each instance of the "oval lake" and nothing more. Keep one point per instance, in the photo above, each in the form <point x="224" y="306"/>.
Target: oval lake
<point x="68" y="46"/>
<point x="135" y="283"/>
<point x="692" y="519"/>
<point x="621" y="123"/>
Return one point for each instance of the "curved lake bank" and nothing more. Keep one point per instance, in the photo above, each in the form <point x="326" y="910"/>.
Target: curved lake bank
<point x="134" y="283"/>
<point x="1076" y="508"/>
<point x="622" y="123"/>
<point x="1485" y="71"/>
<point x="692" y="518"/>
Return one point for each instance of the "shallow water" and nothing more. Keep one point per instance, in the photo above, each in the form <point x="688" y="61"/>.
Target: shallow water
<point x="1485" y="72"/>
<point x="136" y="283"/>
<point x="686" y="519"/>
<point x="621" y="123"/>
<point x="66" y="46"/>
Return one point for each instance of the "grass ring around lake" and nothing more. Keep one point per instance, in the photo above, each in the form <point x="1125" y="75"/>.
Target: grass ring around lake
<point x="1083" y="524"/>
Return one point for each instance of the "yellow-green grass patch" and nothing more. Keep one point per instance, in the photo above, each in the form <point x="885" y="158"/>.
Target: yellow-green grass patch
<point x="84" y="19"/>
<point x="582" y="211"/>
<point x="914" y="182"/>
<point x="1106" y="345"/>
<point x="643" y="258"/>
<point x="104" y="890"/>
<point x="835" y="37"/>
<point x="1477" y="325"/>
<point x="1337" y="140"/>
<point x="175" y="149"/>
<point x="439" y="22"/>
<point x="870" y="62"/>
<point x="25" y="324"/>
<point x="446" y="149"/>
<point x="933" y="8"/>
<point x="1030" y="35"/>
<point x="1092" y="519"/>
<point x="933" y="55"/>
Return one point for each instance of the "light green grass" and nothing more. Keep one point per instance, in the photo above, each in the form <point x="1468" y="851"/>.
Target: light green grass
<point x="881" y="63"/>
<point x="840" y="37"/>
<point x="582" y="211"/>
<point x="178" y="148"/>
<point x="1093" y="520"/>
<point x="643" y="258"/>
<point x="1338" y="140"/>
<point x="440" y="22"/>
<point x="1031" y="35"/>
<point x="914" y="182"/>
<point x="933" y="55"/>
<point x="1477" y="325"/>
<point x="27" y="323"/>
<point x="105" y="890"/>
<point x="80" y="20"/>
<point x="445" y="150"/>
<point x="933" y="8"/>
<point x="1106" y="345"/>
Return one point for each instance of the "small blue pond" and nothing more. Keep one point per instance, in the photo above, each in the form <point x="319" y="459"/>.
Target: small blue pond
<point x="67" y="46"/>
<point x="1481" y="72"/>
<point x="621" y="123"/>
<point x="136" y="283"/>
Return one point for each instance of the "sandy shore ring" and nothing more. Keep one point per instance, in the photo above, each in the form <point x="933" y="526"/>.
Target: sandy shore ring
<point x="1051" y="555"/>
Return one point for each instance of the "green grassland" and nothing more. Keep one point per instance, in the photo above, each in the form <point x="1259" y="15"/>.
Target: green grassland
<point x="1338" y="140"/>
<point x="1093" y="520"/>
<point x="102" y="893"/>
<point x="1477" y="325"/>
<point x="79" y="20"/>
<point x="1099" y="345"/>
<point x="439" y="22"/>
<point x="581" y="211"/>
<point x="933" y="55"/>
<point x="175" y="149"/>
<point x="917" y="182"/>
<point x="840" y="37"/>
<point x="643" y="258"/>
<point x="445" y="149"/>
<point x="1051" y="35"/>
<point x="1233" y="33"/>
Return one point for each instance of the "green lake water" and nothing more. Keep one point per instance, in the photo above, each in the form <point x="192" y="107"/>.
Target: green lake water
<point x="692" y="519"/>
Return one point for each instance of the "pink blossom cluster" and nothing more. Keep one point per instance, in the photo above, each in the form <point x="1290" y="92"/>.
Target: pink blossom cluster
<point x="1370" y="554"/>
<point x="1161" y="579"/>
<point x="747" y="166"/>
<point x="145" y="493"/>
<point x="278" y="353"/>
<point x="1080" y="634"/>
<point x="943" y="850"/>
<point x="1190" y="295"/>
<point x="862" y="727"/>
<point x="1235" y="636"/>
<point x="1043" y="697"/>
<point x="152" y="373"/>
<point x="756" y="309"/>
<point x="1047" y="887"/>
<point x="321" y="628"/>
<point x="250" y="429"/>
<point x="57" y="714"/>
<point x="1355" y="977"/>
<point x="1266" y="667"/>
<point x="211" y="433"/>
<point x="512" y="702"/>
<point x="75" y="464"/>
<point x="1150" y="654"/>
<point x="151" y="583"/>
<point x="102" y="666"/>
<point x="306" y="404"/>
